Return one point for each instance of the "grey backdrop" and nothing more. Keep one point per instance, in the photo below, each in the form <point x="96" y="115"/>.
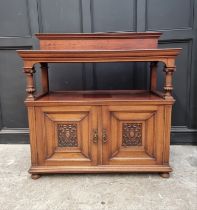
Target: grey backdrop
<point x="20" y="19"/>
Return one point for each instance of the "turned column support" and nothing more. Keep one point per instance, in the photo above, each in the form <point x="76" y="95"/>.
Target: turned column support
<point x="44" y="77"/>
<point x="30" y="89"/>
<point x="168" y="87"/>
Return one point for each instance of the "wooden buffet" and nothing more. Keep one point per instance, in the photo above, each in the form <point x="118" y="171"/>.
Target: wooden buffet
<point x="99" y="131"/>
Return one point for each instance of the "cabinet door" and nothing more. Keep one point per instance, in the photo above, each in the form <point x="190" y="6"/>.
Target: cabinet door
<point x="66" y="135"/>
<point x="132" y="135"/>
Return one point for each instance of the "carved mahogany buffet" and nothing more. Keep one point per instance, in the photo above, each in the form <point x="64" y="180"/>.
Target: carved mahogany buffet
<point x="99" y="131"/>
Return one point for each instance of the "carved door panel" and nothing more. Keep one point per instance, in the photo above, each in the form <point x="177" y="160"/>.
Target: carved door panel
<point x="67" y="135"/>
<point x="132" y="135"/>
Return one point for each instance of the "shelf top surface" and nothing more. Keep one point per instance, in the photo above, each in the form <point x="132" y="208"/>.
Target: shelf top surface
<point x="98" y="35"/>
<point x="100" y="96"/>
<point x="137" y="51"/>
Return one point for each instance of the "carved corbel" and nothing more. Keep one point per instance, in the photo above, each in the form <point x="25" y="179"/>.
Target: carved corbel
<point x="168" y="87"/>
<point x="44" y="77"/>
<point x="153" y="75"/>
<point x="30" y="89"/>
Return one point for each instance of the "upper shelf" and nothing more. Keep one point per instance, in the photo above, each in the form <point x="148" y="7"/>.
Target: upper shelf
<point x="99" y="47"/>
<point x="99" y="41"/>
<point x="58" y="56"/>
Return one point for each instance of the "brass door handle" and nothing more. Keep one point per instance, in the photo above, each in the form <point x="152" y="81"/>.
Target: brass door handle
<point x="104" y="135"/>
<point x="95" y="136"/>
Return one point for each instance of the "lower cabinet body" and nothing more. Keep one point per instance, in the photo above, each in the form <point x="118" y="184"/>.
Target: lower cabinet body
<point x="100" y="138"/>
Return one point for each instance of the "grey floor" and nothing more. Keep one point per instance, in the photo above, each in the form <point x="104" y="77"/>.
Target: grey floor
<point x="95" y="192"/>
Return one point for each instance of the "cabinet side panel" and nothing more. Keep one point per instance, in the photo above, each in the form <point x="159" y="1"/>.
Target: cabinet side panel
<point x="167" y="126"/>
<point x="32" y="129"/>
<point x="40" y="135"/>
<point x="159" y="130"/>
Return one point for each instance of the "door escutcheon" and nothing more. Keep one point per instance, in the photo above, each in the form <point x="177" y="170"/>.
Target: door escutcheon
<point x="95" y="136"/>
<point x="104" y="135"/>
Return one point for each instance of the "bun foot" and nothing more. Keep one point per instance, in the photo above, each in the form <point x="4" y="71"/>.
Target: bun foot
<point x="35" y="176"/>
<point x="165" y="175"/>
